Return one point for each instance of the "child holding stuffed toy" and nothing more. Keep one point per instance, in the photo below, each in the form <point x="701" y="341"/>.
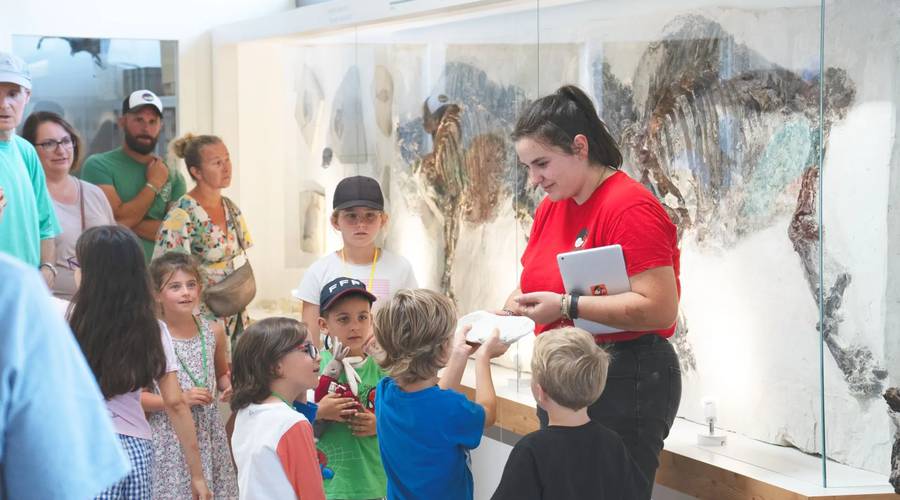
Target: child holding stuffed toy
<point x="346" y="392"/>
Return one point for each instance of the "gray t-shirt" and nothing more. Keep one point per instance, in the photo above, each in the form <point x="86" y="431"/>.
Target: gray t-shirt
<point x="97" y="212"/>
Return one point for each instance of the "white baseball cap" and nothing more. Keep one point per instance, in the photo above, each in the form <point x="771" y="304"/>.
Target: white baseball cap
<point x="140" y="98"/>
<point x="14" y="70"/>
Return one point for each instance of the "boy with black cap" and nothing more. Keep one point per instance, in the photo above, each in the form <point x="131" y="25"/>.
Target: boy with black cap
<point x="138" y="184"/>
<point x="350" y="441"/>
<point x="359" y="216"/>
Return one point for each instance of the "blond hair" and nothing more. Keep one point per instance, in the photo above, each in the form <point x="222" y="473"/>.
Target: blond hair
<point x="569" y="366"/>
<point x="413" y="330"/>
<point x="188" y="148"/>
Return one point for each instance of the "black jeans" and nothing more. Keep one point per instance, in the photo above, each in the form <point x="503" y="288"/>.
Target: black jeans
<point x="643" y="390"/>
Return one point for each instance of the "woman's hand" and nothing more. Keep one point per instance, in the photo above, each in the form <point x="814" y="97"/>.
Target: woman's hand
<point x="363" y="424"/>
<point x="335" y="408"/>
<point x="197" y="396"/>
<point x="542" y="307"/>
<point x="199" y="489"/>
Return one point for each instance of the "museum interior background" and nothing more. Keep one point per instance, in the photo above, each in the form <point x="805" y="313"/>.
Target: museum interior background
<point x="766" y="128"/>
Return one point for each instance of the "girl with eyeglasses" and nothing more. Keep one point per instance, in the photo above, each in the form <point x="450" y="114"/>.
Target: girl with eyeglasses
<point x="273" y="444"/>
<point x="202" y="353"/>
<point x="78" y="204"/>
<point x="127" y="348"/>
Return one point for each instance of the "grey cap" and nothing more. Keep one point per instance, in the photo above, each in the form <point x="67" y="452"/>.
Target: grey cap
<point x="14" y="70"/>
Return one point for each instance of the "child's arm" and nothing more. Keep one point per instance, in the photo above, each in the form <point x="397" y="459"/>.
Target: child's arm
<point x="183" y="423"/>
<point x="484" y="384"/>
<point x="300" y="461"/>
<point x="151" y="402"/>
<point x="456" y="365"/>
<point x="223" y="372"/>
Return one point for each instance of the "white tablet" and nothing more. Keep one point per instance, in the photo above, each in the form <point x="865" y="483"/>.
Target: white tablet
<point x="595" y="271"/>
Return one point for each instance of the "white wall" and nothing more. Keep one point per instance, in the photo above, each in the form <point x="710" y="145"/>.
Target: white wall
<point x="187" y="21"/>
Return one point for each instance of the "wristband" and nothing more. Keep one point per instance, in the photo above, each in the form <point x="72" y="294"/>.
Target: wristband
<point x="573" y="305"/>
<point x="508" y="312"/>
<point x="152" y="188"/>
<point x="564" y="306"/>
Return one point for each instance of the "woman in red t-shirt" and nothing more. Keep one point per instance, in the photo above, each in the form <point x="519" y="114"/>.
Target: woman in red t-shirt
<point x="570" y="153"/>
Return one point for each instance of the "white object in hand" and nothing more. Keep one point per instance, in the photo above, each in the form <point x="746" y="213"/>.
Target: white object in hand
<point x="512" y="328"/>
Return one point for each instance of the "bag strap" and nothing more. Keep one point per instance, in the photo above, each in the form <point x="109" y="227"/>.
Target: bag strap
<point x="238" y="230"/>
<point x="81" y="202"/>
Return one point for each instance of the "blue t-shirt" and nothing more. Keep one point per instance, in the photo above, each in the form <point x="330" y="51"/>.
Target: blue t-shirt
<point x="56" y="437"/>
<point x="29" y="216"/>
<point x="425" y="438"/>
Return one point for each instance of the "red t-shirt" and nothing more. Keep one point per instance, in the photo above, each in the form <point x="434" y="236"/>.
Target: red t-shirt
<point x="621" y="211"/>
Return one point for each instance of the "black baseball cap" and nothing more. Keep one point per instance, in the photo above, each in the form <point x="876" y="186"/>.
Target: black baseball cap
<point x="340" y="287"/>
<point x="358" y="191"/>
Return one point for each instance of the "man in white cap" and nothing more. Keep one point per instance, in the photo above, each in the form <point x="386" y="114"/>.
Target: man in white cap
<point x="28" y="225"/>
<point x="139" y="185"/>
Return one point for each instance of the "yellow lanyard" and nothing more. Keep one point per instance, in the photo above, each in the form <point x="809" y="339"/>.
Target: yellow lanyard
<point x="371" y="273"/>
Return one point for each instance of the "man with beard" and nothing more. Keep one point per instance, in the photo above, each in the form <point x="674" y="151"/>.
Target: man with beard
<point x="138" y="184"/>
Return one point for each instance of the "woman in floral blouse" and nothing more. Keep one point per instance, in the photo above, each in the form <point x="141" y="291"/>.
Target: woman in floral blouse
<point x="199" y="223"/>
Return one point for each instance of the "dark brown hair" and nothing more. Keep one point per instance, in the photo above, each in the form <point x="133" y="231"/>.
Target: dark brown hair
<point x="256" y="356"/>
<point x="113" y="317"/>
<point x="189" y="147"/>
<point x="556" y="119"/>
<point x="36" y="119"/>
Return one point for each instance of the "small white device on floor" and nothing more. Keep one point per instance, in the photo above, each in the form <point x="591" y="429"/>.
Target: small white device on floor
<point x="512" y="328"/>
<point x="595" y="271"/>
<point x="711" y="437"/>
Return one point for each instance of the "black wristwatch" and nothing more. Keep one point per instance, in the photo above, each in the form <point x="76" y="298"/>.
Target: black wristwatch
<point x="573" y="305"/>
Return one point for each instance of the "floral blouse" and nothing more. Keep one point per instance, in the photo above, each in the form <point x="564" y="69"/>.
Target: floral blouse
<point x="188" y="228"/>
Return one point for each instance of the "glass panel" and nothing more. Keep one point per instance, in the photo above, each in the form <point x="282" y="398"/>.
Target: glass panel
<point x="86" y="79"/>
<point x="858" y="276"/>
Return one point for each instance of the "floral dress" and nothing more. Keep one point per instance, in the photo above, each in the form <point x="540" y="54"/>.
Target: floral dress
<point x="170" y="475"/>
<point x="188" y="228"/>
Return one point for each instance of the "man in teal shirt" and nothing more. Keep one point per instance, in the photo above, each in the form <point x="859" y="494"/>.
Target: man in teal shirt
<point x="28" y="223"/>
<point x="139" y="185"/>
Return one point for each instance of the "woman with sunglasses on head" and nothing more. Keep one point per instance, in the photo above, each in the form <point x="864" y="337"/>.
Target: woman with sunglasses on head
<point x="78" y="204"/>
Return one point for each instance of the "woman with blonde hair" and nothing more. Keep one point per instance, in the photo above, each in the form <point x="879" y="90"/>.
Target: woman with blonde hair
<point x="204" y="223"/>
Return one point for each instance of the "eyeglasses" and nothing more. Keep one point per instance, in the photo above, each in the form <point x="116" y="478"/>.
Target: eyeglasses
<point x="73" y="263"/>
<point x="51" y="145"/>
<point x="308" y="348"/>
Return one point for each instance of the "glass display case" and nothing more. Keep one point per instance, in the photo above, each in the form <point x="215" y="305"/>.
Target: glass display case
<point x="86" y="79"/>
<point x="766" y="129"/>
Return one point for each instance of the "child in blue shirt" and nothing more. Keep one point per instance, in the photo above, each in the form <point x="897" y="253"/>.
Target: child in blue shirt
<point x="425" y="427"/>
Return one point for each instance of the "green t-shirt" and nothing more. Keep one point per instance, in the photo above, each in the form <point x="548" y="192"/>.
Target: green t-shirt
<point x="356" y="461"/>
<point x="128" y="177"/>
<point x="29" y="216"/>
